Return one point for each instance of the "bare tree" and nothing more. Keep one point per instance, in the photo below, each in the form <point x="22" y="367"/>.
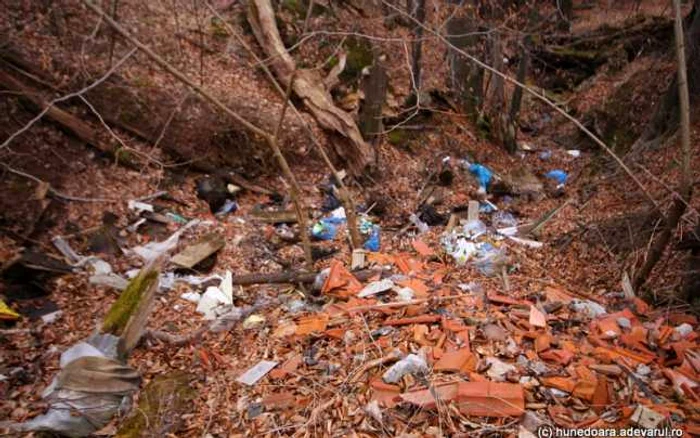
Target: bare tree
<point x="685" y="188"/>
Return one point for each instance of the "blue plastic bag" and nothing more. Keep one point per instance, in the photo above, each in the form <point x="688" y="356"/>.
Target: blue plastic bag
<point x="372" y="243"/>
<point x="325" y="229"/>
<point x="482" y="173"/>
<point x="557" y="175"/>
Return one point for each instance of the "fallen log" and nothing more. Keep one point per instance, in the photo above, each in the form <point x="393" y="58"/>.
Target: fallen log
<point x="67" y="121"/>
<point x="307" y="85"/>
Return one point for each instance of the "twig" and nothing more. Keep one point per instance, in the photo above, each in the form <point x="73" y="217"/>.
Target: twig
<point x="391" y="357"/>
<point x="66" y="97"/>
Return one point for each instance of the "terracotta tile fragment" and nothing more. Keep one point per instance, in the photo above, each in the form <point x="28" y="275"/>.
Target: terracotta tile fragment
<point x="423" y="319"/>
<point x="456" y="361"/>
<point x="422" y="249"/>
<point x="563" y="357"/>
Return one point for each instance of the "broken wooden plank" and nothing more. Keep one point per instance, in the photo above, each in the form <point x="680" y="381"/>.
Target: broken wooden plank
<point x="127" y="316"/>
<point x="198" y="251"/>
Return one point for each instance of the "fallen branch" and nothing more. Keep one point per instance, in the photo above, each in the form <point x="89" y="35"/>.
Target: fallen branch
<point x="55" y="113"/>
<point x="307" y="86"/>
<point x="292" y="277"/>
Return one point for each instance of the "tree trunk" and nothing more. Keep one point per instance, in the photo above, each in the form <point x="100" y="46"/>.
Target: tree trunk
<point x="512" y="124"/>
<point x="667" y="115"/>
<point x="358" y="155"/>
<point x="466" y="78"/>
<point x="374" y="87"/>
<point x="418" y="45"/>
<point x="685" y="187"/>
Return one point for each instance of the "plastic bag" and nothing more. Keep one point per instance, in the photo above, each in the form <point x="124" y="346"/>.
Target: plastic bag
<point x="482" y="173"/>
<point x="373" y="243"/>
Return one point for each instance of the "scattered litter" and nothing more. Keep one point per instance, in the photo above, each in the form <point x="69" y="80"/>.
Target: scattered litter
<point x="557" y="175"/>
<point x="50" y="318"/>
<point x="325" y="229"/>
<point x="139" y="206"/>
<point x="192" y="297"/>
<point x="406" y="294"/>
<point x="588" y="308"/>
<point x="498" y="369"/>
<point x="153" y="250"/>
<point x="253" y="321"/>
<point x="213" y="302"/>
<point x="503" y="219"/>
<point x="482" y="174"/>
<point x="230" y="206"/>
<point x="624" y="323"/>
<point x="376" y="287"/>
<point x="574" y="153"/>
<point x="373" y="241"/>
<point x="684" y="329"/>
<point x="646" y="418"/>
<point x="373" y="410"/>
<point x="421" y="226"/>
<point x="7" y="314"/>
<point x="109" y="280"/>
<point x="526" y="242"/>
<point x="411" y="364"/>
<point x="545" y="155"/>
<point x="257" y="372"/>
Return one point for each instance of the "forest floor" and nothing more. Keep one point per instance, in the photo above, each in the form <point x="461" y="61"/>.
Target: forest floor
<point x="550" y="327"/>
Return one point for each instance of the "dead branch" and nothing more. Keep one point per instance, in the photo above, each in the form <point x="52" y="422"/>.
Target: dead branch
<point x="50" y="107"/>
<point x="358" y="154"/>
<point x="292" y="277"/>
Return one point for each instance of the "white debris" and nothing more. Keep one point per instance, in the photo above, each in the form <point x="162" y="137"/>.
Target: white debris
<point x="193" y="297"/>
<point x="588" y="308"/>
<point x="139" y="206"/>
<point x="684" y="329"/>
<point x="405" y="294"/>
<point x="257" y="372"/>
<point x="154" y="250"/>
<point x="498" y="369"/>
<point x="624" y="323"/>
<point x="109" y="280"/>
<point x="646" y="418"/>
<point x="50" y="318"/>
<point x="213" y="303"/>
<point x="338" y="213"/>
<point x="373" y="410"/>
<point x="527" y="242"/>
<point x="376" y="287"/>
<point x="574" y="153"/>
<point x="226" y="285"/>
<point x="411" y="364"/>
